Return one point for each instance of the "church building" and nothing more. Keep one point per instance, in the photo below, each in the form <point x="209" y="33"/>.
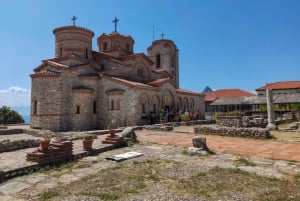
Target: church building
<point x="84" y="89"/>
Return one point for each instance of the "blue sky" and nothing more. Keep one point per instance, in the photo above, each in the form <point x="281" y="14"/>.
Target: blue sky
<point x="222" y="43"/>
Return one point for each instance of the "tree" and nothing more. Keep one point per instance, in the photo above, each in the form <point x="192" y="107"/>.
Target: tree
<point x="9" y="116"/>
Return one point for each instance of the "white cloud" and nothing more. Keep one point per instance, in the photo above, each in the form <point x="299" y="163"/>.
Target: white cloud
<point x="15" y="96"/>
<point x="12" y="90"/>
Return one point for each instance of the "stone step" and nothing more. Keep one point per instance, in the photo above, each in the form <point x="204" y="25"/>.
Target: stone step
<point x="117" y="139"/>
<point x="110" y="142"/>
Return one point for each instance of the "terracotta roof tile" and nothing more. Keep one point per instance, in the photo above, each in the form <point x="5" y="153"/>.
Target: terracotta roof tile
<point x="188" y="92"/>
<point x="46" y="73"/>
<point x="211" y="96"/>
<point x="281" y="85"/>
<point x="159" y="70"/>
<point x="158" y="81"/>
<point x="136" y="55"/>
<point x="131" y="83"/>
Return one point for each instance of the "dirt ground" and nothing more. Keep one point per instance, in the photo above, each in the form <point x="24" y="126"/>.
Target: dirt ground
<point x="278" y="148"/>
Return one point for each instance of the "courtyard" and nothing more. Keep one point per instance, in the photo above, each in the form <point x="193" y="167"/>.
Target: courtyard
<point x="264" y="169"/>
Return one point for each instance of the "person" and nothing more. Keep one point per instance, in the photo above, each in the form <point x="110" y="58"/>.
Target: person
<point x="161" y="116"/>
<point x="190" y="115"/>
<point x="166" y="116"/>
<point x="198" y="115"/>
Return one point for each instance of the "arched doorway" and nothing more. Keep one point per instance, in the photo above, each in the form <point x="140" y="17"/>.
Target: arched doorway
<point x="167" y="101"/>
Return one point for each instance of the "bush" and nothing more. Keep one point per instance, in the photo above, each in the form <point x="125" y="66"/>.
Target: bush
<point x="9" y="116"/>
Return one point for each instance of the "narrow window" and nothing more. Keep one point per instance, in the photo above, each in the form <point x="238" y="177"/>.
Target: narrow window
<point x="154" y="108"/>
<point x="104" y="46"/>
<point x="77" y="109"/>
<point x="102" y="67"/>
<point x="143" y="108"/>
<point x="86" y="53"/>
<point x="35" y="107"/>
<point x="112" y="105"/>
<point x="118" y="104"/>
<point x="127" y="47"/>
<point x="95" y="107"/>
<point x="158" y="61"/>
<point x="60" y="51"/>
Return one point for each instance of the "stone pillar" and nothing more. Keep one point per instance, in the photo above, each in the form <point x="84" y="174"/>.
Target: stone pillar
<point x="199" y="142"/>
<point x="270" y="109"/>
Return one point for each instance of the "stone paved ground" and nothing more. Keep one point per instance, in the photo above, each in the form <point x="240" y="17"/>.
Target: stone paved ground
<point x="260" y="152"/>
<point x="28" y="187"/>
<point x="234" y="145"/>
<point x="17" y="159"/>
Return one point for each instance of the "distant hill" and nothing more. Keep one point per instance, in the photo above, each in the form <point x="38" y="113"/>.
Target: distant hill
<point x="207" y="89"/>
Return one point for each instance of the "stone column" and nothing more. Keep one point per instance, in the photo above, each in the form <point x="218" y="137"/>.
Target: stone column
<point x="270" y="108"/>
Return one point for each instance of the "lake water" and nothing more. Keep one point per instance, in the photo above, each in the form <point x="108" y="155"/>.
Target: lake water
<point x="26" y="118"/>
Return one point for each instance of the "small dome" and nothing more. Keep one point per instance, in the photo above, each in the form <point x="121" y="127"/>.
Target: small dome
<point x="73" y="40"/>
<point x="116" y="44"/>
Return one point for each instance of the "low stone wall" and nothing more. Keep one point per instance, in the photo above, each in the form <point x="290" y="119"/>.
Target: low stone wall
<point x="7" y="145"/>
<point x="10" y="131"/>
<point x="233" y="131"/>
<point x="229" y="121"/>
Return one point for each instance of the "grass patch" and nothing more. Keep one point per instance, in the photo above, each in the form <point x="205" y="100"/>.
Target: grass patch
<point x="47" y="195"/>
<point x="132" y="177"/>
<point x="204" y="193"/>
<point x="285" y="136"/>
<point x="219" y="182"/>
<point x="104" y="196"/>
<point x="186" y="152"/>
<point x="119" y="181"/>
<point x="245" y="162"/>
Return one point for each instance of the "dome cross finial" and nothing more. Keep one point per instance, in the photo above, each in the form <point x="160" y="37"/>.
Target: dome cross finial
<point x="74" y="19"/>
<point x="115" y="21"/>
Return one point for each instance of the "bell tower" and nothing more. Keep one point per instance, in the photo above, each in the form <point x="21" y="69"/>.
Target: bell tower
<point x="164" y="54"/>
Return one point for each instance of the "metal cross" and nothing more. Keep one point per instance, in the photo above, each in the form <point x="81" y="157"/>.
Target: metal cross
<point x="74" y="19"/>
<point x="162" y="36"/>
<point x="116" y="20"/>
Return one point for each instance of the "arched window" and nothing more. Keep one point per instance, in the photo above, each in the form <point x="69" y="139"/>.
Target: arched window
<point x="154" y="108"/>
<point x="35" y="107"/>
<point x="158" y="61"/>
<point x="95" y="107"/>
<point x="77" y="109"/>
<point x="86" y="53"/>
<point x="143" y="108"/>
<point x="112" y="105"/>
<point x="118" y="104"/>
<point x="104" y="46"/>
<point x="140" y="71"/>
<point x="60" y="51"/>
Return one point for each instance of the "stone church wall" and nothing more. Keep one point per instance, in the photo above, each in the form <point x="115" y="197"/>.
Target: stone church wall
<point x="48" y="92"/>
<point x="84" y="118"/>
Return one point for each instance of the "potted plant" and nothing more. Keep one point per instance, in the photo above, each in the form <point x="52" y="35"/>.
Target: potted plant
<point x="112" y="131"/>
<point x="87" y="142"/>
<point x="45" y="142"/>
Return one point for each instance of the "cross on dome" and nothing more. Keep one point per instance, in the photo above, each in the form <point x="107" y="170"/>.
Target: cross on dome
<point x="115" y="21"/>
<point x="74" y="19"/>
